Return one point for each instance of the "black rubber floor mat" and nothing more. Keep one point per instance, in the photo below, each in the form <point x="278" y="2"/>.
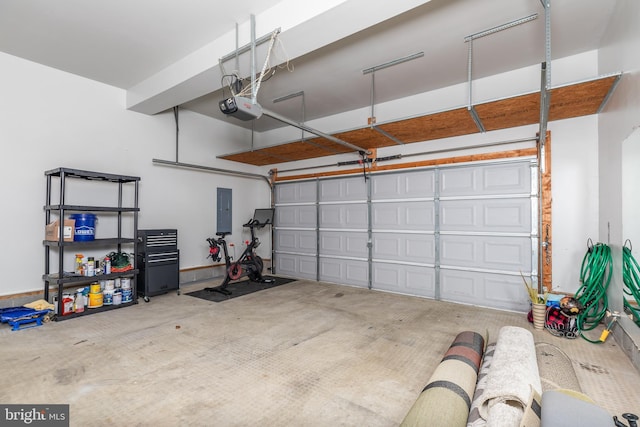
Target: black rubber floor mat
<point x="239" y="289"/>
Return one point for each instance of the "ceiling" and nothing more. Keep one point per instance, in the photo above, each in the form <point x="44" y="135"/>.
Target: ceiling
<point x="166" y="53"/>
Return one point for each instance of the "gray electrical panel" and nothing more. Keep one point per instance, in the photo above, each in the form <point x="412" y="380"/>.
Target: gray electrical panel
<point x="223" y="210"/>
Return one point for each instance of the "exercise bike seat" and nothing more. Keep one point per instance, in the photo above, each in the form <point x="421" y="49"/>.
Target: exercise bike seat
<point x="223" y="234"/>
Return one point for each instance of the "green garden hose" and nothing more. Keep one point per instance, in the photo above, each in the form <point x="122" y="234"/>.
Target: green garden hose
<point x="595" y="276"/>
<point x="631" y="281"/>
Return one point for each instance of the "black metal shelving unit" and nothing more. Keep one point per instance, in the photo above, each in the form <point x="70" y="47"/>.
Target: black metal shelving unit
<point x="55" y="277"/>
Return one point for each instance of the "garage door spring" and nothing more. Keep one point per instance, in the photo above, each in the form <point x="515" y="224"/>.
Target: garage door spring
<point x="595" y="276"/>
<point x="631" y="282"/>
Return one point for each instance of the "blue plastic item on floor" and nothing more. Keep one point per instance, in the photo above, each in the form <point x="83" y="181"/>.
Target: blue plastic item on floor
<point x="553" y="300"/>
<point x="18" y="316"/>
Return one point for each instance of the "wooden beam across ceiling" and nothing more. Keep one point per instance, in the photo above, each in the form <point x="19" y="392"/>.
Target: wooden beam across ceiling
<point x="569" y="101"/>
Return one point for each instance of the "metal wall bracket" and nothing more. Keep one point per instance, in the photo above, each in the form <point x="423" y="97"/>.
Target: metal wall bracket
<point x="387" y="134"/>
<point x="469" y="39"/>
<point x="372" y="71"/>
<point x="476" y="118"/>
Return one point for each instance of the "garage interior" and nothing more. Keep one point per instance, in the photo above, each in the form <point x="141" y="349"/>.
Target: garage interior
<point x="422" y="159"/>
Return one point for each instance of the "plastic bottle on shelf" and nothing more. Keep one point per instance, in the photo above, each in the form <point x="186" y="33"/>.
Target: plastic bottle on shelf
<point x="79" y="301"/>
<point x="107" y="265"/>
<point x="91" y="267"/>
<point x="79" y="267"/>
<point x="67" y="304"/>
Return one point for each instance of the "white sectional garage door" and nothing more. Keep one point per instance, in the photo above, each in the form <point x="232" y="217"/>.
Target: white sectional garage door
<point x="295" y="237"/>
<point x="458" y="233"/>
<point x="343" y="224"/>
<point x="403" y="224"/>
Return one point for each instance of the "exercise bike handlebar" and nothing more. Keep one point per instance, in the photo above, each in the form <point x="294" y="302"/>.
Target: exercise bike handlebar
<point x="256" y="223"/>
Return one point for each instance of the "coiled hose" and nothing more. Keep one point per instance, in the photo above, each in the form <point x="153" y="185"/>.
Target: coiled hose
<point x="595" y="276"/>
<point x="631" y="281"/>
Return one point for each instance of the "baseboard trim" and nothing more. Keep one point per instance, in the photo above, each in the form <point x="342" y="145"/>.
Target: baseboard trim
<point x="627" y="343"/>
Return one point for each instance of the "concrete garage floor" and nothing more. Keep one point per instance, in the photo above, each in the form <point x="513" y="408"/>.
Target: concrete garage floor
<point x="301" y="354"/>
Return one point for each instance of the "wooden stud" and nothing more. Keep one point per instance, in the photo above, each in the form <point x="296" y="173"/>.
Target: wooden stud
<point x="546" y="259"/>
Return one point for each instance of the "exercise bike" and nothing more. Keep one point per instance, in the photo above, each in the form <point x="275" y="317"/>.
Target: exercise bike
<point x="249" y="264"/>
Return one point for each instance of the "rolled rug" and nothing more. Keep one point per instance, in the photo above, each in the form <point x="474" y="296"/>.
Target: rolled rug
<point x="505" y="414"/>
<point x="513" y="373"/>
<point x="446" y="399"/>
<point x="475" y="420"/>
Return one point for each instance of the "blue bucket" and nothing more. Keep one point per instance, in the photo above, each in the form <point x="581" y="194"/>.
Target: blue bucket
<point x="85" y="228"/>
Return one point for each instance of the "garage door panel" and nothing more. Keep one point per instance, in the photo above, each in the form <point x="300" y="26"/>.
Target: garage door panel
<point x="506" y="292"/>
<point x="509" y="253"/>
<point x="483" y="289"/>
<point x="513" y="215"/>
<point x="504" y="253"/>
<point x="401" y="186"/>
<point x="486" y="215"/>
<point x="509" y="178"/>
<point x="285" y="216"/>
<point x="298" y="192"/>
<point x="458" y="252"/>
<point x="405" y="279"/>
<point x="420" y="281"/>
<point x="458" y="215"/>
<point x="295" y="216"/>
<point x="457" y="181"/>
<point x="286" y="264"/>
<point x="353" y="216"/>
<point x="406" y="215"/>
<point x="299" y="266"/>
<point x="296" y="241"/>
<point x="414" y="248"/>
<point x="308" y="267"/>
<point x="308" y="242"/>
<point x="352" y="244"/>
<point x="344" y="271"/>
<point x="419" y="184"/>
<point x="357" y="273"/>
<point x="286" y="241"/>
<point x="337" y="190"/>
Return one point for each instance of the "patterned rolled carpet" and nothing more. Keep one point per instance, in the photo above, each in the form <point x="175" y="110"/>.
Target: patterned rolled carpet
<point x="446" y="399"/>
<point x="475" y="420"/>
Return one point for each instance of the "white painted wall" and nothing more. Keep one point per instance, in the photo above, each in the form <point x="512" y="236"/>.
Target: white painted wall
<point x="575" y="192"/>
<point x="52" y="119"/>
<point x="619" y="52"/>
<point x="630" y="185"/>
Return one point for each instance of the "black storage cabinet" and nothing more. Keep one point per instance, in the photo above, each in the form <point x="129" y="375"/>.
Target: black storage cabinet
<point x="158" y="262"/>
